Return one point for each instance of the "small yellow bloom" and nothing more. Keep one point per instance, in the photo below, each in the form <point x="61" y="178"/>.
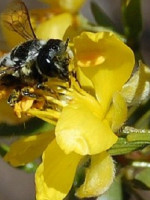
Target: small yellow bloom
<point x="55" y="27"/>
<point x="71" y="6"/>
<point x="59" y="25"/>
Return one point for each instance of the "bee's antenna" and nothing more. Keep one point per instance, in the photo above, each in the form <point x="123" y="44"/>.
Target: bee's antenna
<point x="67" y="41"/>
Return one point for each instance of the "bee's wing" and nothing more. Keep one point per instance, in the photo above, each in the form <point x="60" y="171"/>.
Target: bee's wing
<point x="16" y="18"/>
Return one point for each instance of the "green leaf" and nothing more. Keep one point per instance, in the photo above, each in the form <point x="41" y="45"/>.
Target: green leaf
<point x="132" y="20"/>
<point x="141" y="137"/>
<point x="114" y="192"/>
<point x="33" y="126"/>
<point x="144" y="177"/>
<point x="123" y="146"/>
<point x="3" y="149"/>
<point x="100" y="16"/>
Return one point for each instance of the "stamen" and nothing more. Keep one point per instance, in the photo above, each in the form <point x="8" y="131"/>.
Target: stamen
<point x="55" y="101"/>
<point x="54" y="114"/>
<point x="48" y="115"/>
<point x="54" y="84"/>
<point x="48" y="120"/>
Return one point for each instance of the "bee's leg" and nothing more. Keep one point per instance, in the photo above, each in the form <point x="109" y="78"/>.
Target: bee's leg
<point x="25" y="92"/>
<point x="44" y="87"/>
<point x="14" y="97"/>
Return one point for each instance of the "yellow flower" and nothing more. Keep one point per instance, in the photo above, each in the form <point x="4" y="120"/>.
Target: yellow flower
<point x="65" y="5"/>
<point x="63" y="22"/>
<point x="54" y="27"/>
<point x="86" y="123"/>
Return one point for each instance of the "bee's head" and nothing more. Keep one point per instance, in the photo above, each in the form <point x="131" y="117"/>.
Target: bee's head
<point x="53" y="59"/>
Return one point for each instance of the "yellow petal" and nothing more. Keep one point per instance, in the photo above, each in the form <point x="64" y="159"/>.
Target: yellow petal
<point x="54" y="27"/>
<point x="118" y="112"/>
<point x="99" y="176"/>
<point x="55" y="175"/>
<point x="66" y="5"/>
<point x="27" y="149"/>
<point x="85" y="82"/>
<point x="74" y="29"/>
<point x="106" y="61"/>
<point x="88" y="50"/>
<point x="81" y="127"/>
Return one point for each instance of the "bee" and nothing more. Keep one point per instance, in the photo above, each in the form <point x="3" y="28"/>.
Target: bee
<point x="33" y="62"/>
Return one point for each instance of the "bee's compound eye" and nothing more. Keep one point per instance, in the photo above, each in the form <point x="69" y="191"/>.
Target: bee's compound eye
<point x="52" y="60"/>
<point x="46" y="66"/>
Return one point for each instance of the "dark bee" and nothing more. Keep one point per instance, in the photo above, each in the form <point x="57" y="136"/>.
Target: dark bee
<point x="33" y="62"/>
